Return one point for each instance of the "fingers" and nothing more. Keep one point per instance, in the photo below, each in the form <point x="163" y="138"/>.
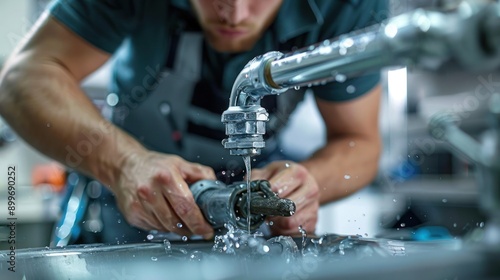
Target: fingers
<point x="159" y="215"/>
<point x="192" y="172"/>
<point x="293" y="181"/>
<point x="306" y="218"/>
<point x="153" y="193"/>
<point x="260" y="174"/>
<point x="284" y="176"/>
<point x="185" y="209"/>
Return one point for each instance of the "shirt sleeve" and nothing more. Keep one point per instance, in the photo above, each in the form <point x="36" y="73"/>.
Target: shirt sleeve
<point x="356" y="15"/>
<point x="103" y="23"/>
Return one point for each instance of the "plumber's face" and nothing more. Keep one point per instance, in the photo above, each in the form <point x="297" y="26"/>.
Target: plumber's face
<point x="235" y="25"/>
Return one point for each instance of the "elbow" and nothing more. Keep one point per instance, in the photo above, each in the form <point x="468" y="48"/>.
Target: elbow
<point x="12" y="79"/>
<point x="7" y="82"/>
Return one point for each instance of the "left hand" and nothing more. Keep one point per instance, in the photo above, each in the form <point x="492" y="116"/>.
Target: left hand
<point x="293" y="181"/>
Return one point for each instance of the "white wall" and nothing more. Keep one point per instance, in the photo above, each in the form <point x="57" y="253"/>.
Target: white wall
<point x="15" y="21"/>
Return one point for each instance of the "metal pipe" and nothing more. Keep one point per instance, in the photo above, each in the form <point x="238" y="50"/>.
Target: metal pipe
<point x="444" y="126"/>
<point x="464" y="38"/>
<point x="427" y="39"/>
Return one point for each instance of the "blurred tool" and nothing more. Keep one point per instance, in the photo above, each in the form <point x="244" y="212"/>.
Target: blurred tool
<point x="52" y="174"/>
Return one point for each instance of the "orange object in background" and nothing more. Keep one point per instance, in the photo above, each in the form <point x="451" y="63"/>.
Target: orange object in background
<point x="52" y="174"/>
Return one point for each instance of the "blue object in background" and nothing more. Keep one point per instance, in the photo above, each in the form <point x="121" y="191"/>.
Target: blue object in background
<point x="431" y="233"/>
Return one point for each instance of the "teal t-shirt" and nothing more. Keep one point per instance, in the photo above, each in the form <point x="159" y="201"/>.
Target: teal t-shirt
<point x="139" y="34"/>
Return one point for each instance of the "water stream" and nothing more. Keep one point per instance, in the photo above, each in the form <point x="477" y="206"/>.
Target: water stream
<point x="248" y="167"/>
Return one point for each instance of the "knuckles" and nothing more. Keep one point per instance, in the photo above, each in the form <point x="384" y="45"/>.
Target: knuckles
<point x="183" y="205"/>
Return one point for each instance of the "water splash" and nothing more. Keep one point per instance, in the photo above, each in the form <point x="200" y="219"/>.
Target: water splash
<point x="340" y="78"/>
<point x="238" y="242"/>
<point x="167" y="246"/>
<point x="303" y="233"/>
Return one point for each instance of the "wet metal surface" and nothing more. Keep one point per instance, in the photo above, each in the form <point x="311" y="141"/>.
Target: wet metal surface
<point x="238" y="256"/>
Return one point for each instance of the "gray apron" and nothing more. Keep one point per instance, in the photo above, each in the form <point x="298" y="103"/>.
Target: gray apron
<point x="159" y="122"/>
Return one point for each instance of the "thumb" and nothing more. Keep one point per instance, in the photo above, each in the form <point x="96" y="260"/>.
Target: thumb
<point x="192" y="172"/>
<point x="260" y="174"/>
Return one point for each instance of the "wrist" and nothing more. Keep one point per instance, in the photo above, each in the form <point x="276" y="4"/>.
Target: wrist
<point x="116" y="156"/>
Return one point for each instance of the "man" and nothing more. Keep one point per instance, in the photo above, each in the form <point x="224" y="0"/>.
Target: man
<point x="174" y="65"/>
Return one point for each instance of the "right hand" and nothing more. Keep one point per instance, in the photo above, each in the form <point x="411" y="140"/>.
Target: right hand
<point x="153" y="194"/>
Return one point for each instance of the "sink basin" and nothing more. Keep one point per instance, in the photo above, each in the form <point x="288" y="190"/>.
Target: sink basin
<point x="342" y="257"/>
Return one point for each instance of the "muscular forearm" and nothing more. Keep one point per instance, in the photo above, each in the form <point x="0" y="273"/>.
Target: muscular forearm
<point x="44" y="104"/>
<point x="344" y="165"/>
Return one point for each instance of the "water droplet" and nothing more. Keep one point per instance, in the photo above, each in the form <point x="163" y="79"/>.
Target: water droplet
<point x="119" y="221"/>
<point x="454" y="224"/>
<point x="403" y="224"/>
<point x="296" y="87"/>
<point x="112" y="99"/>
<point x="150" y="237"/>
<point x="324" y="50"/>
<point x="481" y="224"/>
<point x="223" y="172"/>
<point x="342" y="51"/>
<point x="350" y="89"/>
<point x="184" y="238"/>
<point x="287" y="165"/>
<point x="154" y="259"/>
<point x="271" y="223"/>
<point x="352" y="144"/>
<point x="167" y="246"/>
<point x="394" y="200"/>
<point x="444" y="200"/>
<point x="340" y="78"/>
<point x="265" y="248"/>
<point x="179" y="225"/>
<point x="48" y="124"/>
<point x="347" y="177"/>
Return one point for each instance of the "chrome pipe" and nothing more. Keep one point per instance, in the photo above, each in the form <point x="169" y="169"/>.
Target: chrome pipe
<point x="425" y="39"/>
<point x="465" y="38"/>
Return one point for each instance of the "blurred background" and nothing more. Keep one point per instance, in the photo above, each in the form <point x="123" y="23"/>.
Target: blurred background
<point x="420" y="185"/>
